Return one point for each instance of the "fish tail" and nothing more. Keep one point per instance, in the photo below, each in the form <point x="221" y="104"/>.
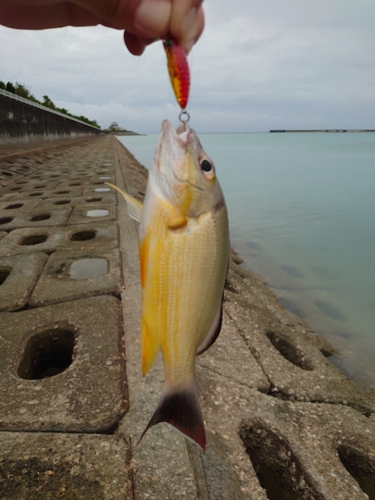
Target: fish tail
<point x="179" y="406"/>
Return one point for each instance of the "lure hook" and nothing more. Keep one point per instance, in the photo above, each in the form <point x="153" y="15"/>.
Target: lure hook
<point x="184" y="116"/>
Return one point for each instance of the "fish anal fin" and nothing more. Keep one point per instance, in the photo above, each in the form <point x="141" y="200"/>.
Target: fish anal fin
<point x="179" y="406"/>
<point x="150" y="347"/>
<point x="213" y="332"/>
<point x="134" y="206"/>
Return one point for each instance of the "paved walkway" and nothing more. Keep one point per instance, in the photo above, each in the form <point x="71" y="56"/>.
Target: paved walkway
<point x="281" y="421"/>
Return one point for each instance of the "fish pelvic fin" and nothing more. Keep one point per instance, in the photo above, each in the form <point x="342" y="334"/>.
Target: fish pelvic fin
<point x="134" y="206"/>
<point x="179" y="406"/>
<point x="150" y="347"/>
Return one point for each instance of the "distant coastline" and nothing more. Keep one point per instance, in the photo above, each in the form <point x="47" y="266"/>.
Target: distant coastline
<point x="332" y="130"/>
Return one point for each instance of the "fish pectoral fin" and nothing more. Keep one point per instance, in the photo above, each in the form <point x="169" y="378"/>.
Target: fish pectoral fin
<point x="179" y="406"/>
<point x="213" y="332"/>
<point x="134" y="206"/>
<point x="177" y="219"/>
<point x="150" y="347"/>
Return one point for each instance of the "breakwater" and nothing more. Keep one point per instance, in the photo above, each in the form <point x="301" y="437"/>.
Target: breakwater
<point x="281" y="421"/>
<point x="22" y="120"/>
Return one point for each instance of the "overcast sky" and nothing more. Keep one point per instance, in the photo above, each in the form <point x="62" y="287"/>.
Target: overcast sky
<point x="260" y="65"/>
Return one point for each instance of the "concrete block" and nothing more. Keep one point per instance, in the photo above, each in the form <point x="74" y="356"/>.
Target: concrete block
<point x="103" y="177"/>
<point x="85" y="214"/>
<point x="73" y="184"/>
<point x="3" y="234"/>
<point x="103" y="199"/>
<point x="96" y="190"/>
<point x="21" y="206"/>
<point x="26" y="185"/>
<point x="72" y="275"/>
<point x="51" y="239"/>
<point x="15" y="220"/>
<point x="80" y="466"/>
<point x="47" y="193"/>
<point x="62" y="368"/>
<point x="6" y="196"/>
<point x="18" y="275"/>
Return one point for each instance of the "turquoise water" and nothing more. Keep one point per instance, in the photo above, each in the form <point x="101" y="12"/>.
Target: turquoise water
<point x="302" y="214"/>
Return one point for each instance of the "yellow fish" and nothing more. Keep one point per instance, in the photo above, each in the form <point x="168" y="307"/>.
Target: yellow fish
<point x="184" y="255"/>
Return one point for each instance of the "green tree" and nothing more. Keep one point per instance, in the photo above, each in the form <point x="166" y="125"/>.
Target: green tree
<point x="47" y="102"/>
<point x="23" y="91"/>
<point x="10" y="87"/>
<point x="2" y="85"/>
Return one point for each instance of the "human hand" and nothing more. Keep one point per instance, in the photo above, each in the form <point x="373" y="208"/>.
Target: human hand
<point x="144" y="21"/>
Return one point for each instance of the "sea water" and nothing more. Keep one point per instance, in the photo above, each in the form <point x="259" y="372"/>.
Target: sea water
<point x="302" y="215"/>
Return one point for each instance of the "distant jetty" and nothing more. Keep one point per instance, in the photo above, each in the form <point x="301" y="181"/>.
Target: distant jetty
<point x="332" y="130"/>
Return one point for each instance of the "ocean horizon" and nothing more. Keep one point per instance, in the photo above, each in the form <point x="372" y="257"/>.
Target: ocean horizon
<point x="302" y="216"/>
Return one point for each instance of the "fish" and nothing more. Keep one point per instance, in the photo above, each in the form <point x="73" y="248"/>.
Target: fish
<point x="178" y="69"/>
<point x="184" y="256"/>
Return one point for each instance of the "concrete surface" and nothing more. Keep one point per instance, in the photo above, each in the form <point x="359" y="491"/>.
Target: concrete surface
<point x="282" y="423"/>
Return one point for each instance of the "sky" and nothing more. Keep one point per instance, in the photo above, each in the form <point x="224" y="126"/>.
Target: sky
<point x="260" y="65"/>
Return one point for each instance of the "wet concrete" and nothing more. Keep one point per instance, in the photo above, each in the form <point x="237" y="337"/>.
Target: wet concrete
<point x="281" y="421"/>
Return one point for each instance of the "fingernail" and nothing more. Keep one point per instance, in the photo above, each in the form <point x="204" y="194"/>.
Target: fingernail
<point x="152" y="17"/>
<point x="188" y="21"/>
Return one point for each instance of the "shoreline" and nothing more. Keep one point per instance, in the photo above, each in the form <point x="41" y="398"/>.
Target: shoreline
<point x="350" y="362"/>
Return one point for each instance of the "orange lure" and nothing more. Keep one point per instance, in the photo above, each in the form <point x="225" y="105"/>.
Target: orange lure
<point x="178" y="69"/>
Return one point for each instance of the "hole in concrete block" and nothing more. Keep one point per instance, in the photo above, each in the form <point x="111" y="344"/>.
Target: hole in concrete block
<point x="5" y="220"/>
<point x="278" y="469"/>
<point x="360" y="467"/>
<point x="40" y="186"/>
<point x="84" y="269"/>
<point x="34" y="239"/>
<point x="8" y="174"/>
<point x="47" y="354"/>
<point x="62" y="202"/>
<point x="14" y="189"/>
<point x="75" y="184"/>
<point x="83" y="236"/>
<point x="62" y="192"/>
<point x="97" y="213"/>
<point x="104" y="177"/>
<point x="290" y="352"/>
<point x="93" y="200"/>
<point x="35" y="194"/>
<point x="102" y="190"/>
<point x="14" y="206"/>
<point x="4" y="273"/>
<point x="40" y="217"/>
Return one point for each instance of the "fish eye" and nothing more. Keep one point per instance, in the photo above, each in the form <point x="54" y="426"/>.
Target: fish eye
<point x="207" y="168"/>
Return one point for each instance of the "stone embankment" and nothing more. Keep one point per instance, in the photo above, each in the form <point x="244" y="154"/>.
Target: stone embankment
<point x="281" y="421"/>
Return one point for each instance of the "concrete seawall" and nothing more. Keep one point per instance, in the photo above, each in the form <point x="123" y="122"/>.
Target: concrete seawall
<point x="282" y="423"/>
<point x="22" y="120"/>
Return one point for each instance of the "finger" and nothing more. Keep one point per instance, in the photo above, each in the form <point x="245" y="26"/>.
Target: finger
<point x="137" y="44"/>
<point x="186" y="14"/>
<point x="195" y="32"/>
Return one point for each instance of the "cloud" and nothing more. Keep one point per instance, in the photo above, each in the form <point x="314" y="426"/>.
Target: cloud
<point x="258" y="65"/>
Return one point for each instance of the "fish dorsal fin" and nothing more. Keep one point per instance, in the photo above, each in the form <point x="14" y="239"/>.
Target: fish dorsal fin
<point x="134" y="206"/>
<point x="214" y="331"/>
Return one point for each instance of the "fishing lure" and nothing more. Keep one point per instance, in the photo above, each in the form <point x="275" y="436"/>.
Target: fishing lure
<point x="179" y="73"/>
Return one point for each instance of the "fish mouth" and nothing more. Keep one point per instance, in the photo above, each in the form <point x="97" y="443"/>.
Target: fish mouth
<point x="178" y="139"/>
